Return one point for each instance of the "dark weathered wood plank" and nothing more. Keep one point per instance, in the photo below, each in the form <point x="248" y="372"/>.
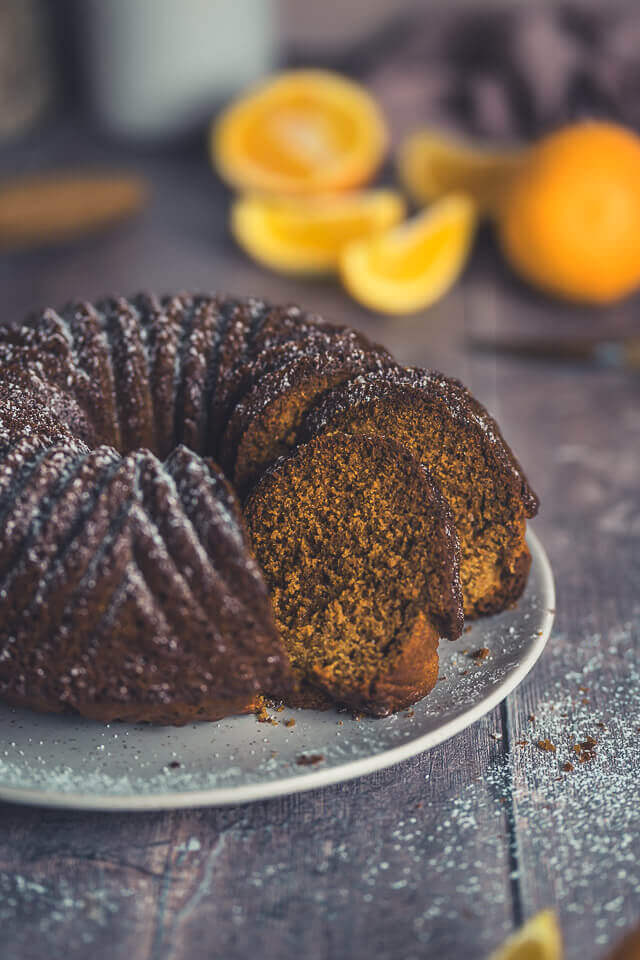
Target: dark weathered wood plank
<point x="579" y="831"/>
<point x="577" y="430"/>
<point x="408" y="861"/>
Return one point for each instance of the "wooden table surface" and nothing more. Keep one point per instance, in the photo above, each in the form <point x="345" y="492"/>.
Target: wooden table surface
<point x="444" y="854"/>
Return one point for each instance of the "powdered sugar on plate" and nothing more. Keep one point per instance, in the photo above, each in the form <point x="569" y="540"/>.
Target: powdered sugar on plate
<point x="64" y="761"/>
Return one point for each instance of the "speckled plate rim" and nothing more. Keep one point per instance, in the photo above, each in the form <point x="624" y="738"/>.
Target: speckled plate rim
<point x="314" y="779"/>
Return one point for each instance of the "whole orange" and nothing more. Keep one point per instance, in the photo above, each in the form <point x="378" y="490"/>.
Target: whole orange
<point x="570" y="218"/>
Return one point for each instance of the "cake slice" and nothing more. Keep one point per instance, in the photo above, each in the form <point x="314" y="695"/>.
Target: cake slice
<point x="440" y="422"/>
<point x="265" y="424"/>
<point x="359" y="551"/>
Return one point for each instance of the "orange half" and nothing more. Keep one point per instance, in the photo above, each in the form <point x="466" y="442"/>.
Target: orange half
<point x="306" y="235"/>
<point x="304" y="131"/>
<point x="412" y="265"/>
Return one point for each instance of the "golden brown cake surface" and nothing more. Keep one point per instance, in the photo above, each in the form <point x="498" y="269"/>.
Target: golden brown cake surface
<point x="361" y="558"/>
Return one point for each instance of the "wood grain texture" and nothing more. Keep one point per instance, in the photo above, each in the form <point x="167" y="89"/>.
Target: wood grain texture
<point x="441" y="855"/>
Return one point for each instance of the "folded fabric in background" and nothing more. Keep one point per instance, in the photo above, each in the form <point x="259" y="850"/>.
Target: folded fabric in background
<point x="505" y="73"/>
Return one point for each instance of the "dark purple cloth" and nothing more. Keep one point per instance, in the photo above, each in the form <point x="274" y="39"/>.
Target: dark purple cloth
<point x="508" y="74"/>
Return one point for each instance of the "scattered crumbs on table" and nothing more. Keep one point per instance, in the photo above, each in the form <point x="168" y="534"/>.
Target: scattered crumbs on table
<point x="546" y="745"/>
<point x="574" y="823"/>
<point x="290" y="722"/>
<point x="280" y="707"/>
<point x="468" y="628"/>
<point x="356" y="716"/>
<point x="411" y="712"/>
<point x="340" y="723"/>
<point x="522" y="743"/>
<point x="309" y="759"/>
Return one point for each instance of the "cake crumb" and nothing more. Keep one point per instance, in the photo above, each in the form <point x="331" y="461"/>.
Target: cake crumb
<point x="568" y="766"/>
<point x="481" y="654"/>
<point x="309" y="759"/>
<point x="585" y="749"/>
<point x="262" y="714"/>
<point x="290" y="722"/>
<point x="546" y="745"/>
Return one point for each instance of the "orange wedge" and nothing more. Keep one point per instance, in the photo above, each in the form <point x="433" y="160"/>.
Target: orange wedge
<point x="432" y="164"/>
<point x="304" y="131"/>
<point x="538" y="939"/>
<point x="306" y="235"/>
<point x="412" y="265"/>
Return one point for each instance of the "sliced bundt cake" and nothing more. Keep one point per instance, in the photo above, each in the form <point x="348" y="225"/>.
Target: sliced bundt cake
<point x="127" y="586"/>
<point x="439" y="421"/>
<point x="361" y="557"/>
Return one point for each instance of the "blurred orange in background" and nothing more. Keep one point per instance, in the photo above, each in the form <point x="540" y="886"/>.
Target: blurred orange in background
<point x="303" y="131"/>
<point x="569" y="221"/>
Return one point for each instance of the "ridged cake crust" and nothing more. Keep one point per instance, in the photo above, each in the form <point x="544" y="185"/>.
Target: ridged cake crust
<point x="134" y="579"/>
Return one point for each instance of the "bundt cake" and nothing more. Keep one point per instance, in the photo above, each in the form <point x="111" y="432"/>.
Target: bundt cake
<point x="439" y="421"/>
<point x="128" y="584"/>
<point x="361" y="558"/>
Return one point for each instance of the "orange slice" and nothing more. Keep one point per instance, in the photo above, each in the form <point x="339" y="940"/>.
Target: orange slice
<point x="306" y="235"/>
<point x="412" y="265"/>
<point x="304" y="131"/>
<point x="432" y="164"/>
<point x="538" y="939"/>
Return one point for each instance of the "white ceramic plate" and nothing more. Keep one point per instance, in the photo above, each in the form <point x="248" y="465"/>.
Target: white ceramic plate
<point x="65" y="762"/>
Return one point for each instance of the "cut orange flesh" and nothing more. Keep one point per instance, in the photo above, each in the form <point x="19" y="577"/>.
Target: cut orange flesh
<point x="432" y="164"/>
<point x="306" y="235"/>
<point x="410" y="266"/>
<point x="304" y="131"/>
